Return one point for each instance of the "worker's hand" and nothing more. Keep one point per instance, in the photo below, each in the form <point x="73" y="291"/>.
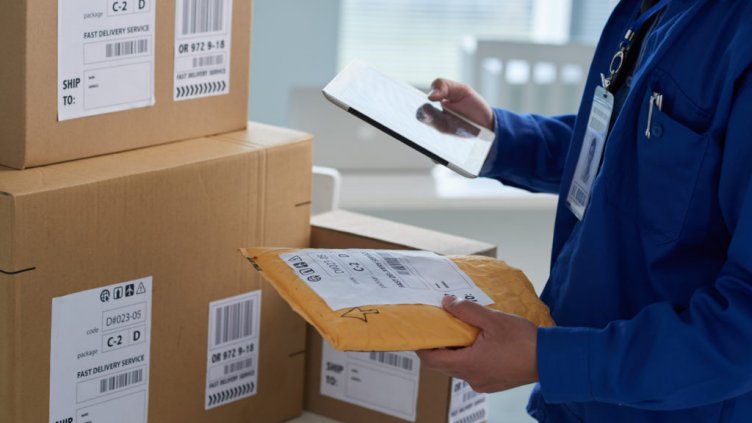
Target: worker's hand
<point x="502" y="357"/>
<point x="464" y="100"/>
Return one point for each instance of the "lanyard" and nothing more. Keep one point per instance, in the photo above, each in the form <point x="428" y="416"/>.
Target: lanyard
<point x="618" y="60"/>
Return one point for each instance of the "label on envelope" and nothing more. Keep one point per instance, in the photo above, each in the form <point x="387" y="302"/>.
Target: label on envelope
<point x="353" y="278"/>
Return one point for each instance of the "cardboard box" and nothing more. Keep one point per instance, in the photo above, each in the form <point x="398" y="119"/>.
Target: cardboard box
<point x="342" y="229"/>
<point x="176" y="213"/>
<point x="117" y="69"/>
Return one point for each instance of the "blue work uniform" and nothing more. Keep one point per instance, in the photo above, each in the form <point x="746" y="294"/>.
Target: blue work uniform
<point x="652" y="290"/>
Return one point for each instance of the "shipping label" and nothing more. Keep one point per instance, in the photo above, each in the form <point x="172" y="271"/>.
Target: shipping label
<point x="386" y="382"/>
<point x="203" y="35"/>
<point x="99" y="354"/>
<point x="466" y="405"/>
<point x="232" y="359"/>
<point x="105" y="56"/>
<point x="354" y="278"/>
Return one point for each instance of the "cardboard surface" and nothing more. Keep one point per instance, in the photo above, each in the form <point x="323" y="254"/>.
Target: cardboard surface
<point x="30" y="134"/>
<point x="179" y="213"/>
<point x="342" y="229"/>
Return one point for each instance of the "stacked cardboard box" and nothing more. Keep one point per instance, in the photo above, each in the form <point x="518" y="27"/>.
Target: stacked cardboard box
<point x="82" y="79"/>
<point x="123" y="298"/>
<point x="122" y="292"/>
<point x="384" y="387"/>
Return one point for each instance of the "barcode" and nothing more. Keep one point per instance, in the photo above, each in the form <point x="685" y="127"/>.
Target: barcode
<point x="476" y="416"/>
<point x="121" y="381"/>
<point x="201" y="16"/>
<point x="127" y="48"/>
<point x="396" y="264"/>
<point x="233" y="322"/>
<point x="580" y="196"/>
<point x="467" y="396"/>
<point x="200" y="62"/>
<point x="238" y="366"/>
<point x="392" y="359"/>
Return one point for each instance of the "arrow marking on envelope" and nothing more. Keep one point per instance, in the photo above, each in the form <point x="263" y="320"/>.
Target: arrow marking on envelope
<point x="360" y="314"/>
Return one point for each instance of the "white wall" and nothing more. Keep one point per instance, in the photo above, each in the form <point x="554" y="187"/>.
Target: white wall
<point x="294" y="42"/>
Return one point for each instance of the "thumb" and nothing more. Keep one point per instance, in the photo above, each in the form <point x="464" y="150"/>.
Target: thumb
<point x="445" y="89"/>
<point x="467" y="311"/>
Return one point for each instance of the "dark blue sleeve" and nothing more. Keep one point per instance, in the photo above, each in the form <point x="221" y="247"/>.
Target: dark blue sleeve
<point x="529" y="150"/>
<point x="664" y="358"/>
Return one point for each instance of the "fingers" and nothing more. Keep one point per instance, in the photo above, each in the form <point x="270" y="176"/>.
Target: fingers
<point x="444" y="89"/>
<point x="468" y="311"/>
<point x="443" y="359"/>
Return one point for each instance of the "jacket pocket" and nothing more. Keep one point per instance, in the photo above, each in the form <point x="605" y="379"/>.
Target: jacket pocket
<point x="671" y="147"/>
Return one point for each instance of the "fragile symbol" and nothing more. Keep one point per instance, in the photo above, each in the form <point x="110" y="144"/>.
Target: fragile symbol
<point x="360" y="314"/>
<point x="104" y="296"/>
<point x="141" y="289"/>
<point x="306" y="271"/>
<point x="118" y="292"/>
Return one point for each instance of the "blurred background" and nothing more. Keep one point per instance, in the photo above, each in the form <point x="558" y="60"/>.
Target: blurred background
<point x="524" y="55"/>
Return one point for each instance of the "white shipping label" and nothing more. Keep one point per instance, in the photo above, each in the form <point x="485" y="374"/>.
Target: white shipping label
<point x="105" y="56"/>
<point x="386" y="382"/>
<point x="353" y="278"/>
<point x="99" y="354"/>
<point x="466" y="405"/>
<point x="203" y="35"/>
<point x="232" y="361"/>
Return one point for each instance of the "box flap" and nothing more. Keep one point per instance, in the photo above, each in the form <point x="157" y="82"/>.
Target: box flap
<point x="344" y="229"/>
<point x="263" y="135"/>
<point x="89" y="171"/>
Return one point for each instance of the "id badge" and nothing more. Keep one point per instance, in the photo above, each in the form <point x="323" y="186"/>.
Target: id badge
<point x="590" y="152"/>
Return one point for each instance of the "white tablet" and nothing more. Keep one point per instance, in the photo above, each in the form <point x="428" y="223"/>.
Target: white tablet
<point x="406" y="114"/>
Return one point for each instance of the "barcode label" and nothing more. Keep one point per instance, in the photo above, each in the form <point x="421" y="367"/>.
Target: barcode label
<point x="233" y="349"/>
<point x="396" y="265"/>
<point x="238" y="366"/>
<point x="394" y="360"/>
<point x="233" y="322"/>
<point x="203" y="16"/>
<point x="580" y="196"/>
<point x="127" y="48"/>
<point x="467" y="396"/>
<point x="472" y="418"/>
<point x="466" y="405"/>
<point x="205" y="61"/>
<point x="386" y="382"/>
<point x="121" y="381"/>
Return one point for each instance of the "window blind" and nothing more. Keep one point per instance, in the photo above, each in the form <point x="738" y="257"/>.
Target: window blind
<point x="418" y="40"/>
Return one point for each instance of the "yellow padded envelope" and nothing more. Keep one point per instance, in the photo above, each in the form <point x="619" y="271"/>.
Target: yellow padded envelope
<point x="402" y="327"/>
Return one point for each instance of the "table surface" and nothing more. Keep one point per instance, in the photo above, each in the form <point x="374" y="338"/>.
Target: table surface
<point x="439" y="188"/>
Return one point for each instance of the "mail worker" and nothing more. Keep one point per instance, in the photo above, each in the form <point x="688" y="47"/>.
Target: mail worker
<point x="651" y="275"/>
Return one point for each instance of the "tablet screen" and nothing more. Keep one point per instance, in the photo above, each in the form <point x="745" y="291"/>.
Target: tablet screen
<point x="405" y="112"/>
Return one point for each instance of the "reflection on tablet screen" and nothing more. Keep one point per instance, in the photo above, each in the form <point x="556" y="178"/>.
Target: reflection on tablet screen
<point x="404" y="111"/>
<point x="445" y="122"/>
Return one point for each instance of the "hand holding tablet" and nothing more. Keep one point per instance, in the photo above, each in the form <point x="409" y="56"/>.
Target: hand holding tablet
<point x="405" y="113"/>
